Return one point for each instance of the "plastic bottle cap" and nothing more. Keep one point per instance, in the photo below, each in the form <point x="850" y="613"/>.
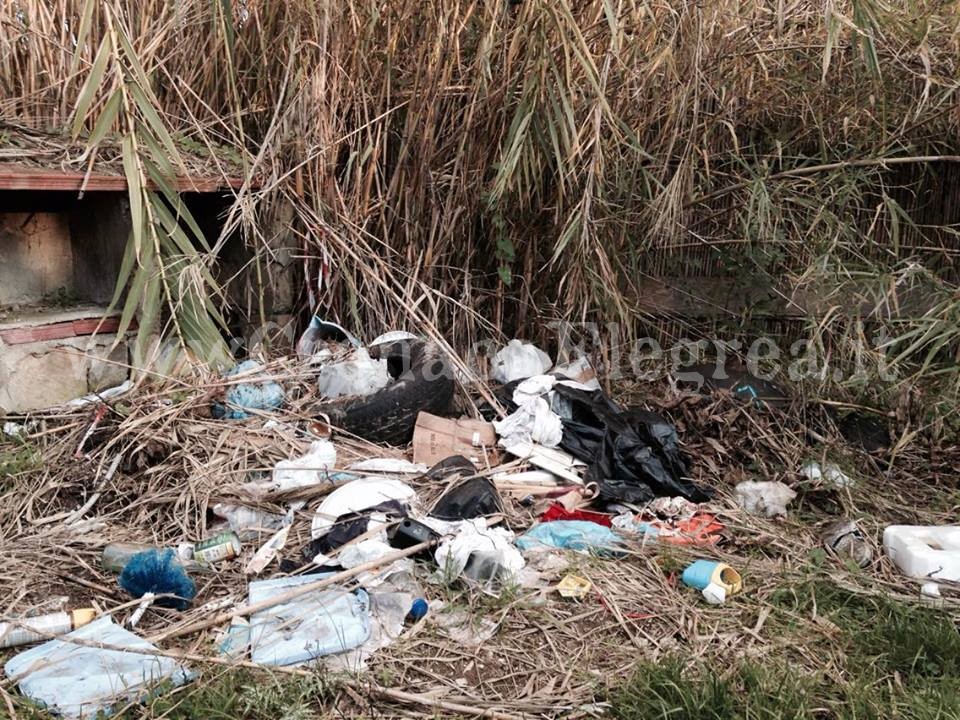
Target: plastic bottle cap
<point x="82" y="616"/>
<point x="418" y="609"/>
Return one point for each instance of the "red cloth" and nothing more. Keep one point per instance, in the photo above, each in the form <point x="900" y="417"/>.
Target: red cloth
<point x="559" y="512"/>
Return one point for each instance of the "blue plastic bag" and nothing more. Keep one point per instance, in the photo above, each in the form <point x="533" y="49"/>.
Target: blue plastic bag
<point x="313" y="625"/>
<point x="80" y="681"/>
<point x="254" y="395"/>
<point x="569" y="535"/>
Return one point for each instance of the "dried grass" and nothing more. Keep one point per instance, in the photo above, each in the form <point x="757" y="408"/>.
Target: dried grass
<point x="481" y="167"/>
<point x="547" y="656"/>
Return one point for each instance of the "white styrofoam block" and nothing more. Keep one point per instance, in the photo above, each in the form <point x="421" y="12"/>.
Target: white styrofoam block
<point x="925" y="551"/>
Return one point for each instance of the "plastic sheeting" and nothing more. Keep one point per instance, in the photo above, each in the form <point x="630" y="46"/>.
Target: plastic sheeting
<point x="519" y="360"/>
<point x="534" y="420"/>
<point x="79" y="681"/>
<point x="632" y="455"/>
<point x="473" y="536"/>
<point x="305" y="471"/>
<point x="768" y="499"/>
<point x="360" y="375"/>
<point x="258" y="393"/>
<point x="308" y="627"/>
<point x="568" y="535"/>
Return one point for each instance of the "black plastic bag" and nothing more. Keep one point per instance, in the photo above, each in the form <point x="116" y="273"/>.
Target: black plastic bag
<point x="473" y="498"/>
<point x="632" y="455"/>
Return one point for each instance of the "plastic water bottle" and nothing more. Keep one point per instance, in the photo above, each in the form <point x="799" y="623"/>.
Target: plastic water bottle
<point x="41" y="627"/>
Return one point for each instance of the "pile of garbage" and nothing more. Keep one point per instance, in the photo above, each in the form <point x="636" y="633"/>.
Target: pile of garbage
<point x="350" y="554"/>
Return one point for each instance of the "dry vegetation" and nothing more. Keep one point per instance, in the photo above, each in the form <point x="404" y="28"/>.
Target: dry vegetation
<point x="799" y="623"/>
<point x="476" y="168"/>
<point x="512" y="162"/>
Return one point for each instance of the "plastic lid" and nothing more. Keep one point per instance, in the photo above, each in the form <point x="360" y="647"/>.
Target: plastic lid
<point x="418" y="609"/>
<point x="82" y="616"/>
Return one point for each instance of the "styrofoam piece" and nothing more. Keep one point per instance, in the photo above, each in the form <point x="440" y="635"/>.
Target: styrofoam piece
<point x="392" y="336"/>
<point x="527" y="477"/>
<point x="925" y="551"/>
<point x="397" y="466"/>
<point x="552" y="460"/>
<point x="81" y="680"/>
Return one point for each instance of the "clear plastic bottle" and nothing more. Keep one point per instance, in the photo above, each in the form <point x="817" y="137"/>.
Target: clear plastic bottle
<point x="116" y="555"/>
<point x="41" y="627"/>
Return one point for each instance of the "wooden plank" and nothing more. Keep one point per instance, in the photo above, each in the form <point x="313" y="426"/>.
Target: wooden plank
<point x="80" y="327"/>
<point x="20" y="177"/>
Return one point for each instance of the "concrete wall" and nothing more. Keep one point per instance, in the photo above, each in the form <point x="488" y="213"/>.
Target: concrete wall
<point x="42" y="374"/>
<point x="36" y="257"/>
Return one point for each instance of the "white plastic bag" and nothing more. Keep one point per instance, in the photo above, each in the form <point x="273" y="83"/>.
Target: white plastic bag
<point x="357" y="496"/>
<point x="474" y="536"/>
<point x="533" y="420"/>
<point x="769" y="499"/>
<point x="305" y="471"/>
<point x="360" y="375"/>
<point x="519" y="360"/>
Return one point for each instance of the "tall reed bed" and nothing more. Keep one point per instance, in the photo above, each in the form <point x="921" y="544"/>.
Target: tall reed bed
<point x="473" y="166"/>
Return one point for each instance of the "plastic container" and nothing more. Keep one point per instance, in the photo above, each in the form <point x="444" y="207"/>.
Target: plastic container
<point x="41" y="627"/>
<point x="702" y="573"/>
<point x="116" y="555"/>
<point x="224" y="546"/>
<point x="924" y="551"/>
<point x="418" y="610"/>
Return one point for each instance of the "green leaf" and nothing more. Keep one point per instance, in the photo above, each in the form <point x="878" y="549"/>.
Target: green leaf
<point x="90" y="87"/>
<point x="107" y="117"/>
<point x="183" y="213"/>
<point x="150" y="305"/>
<point x="149" y="113"/>
<point x="133" y="60"/>
<point x="132" y="302"/>
<point x="82" y="29"/>
<point x="134" y="191"/>
<point x="126" y="266"/>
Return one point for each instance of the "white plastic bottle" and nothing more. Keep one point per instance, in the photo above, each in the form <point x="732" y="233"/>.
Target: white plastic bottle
<point x="41" y="627"/>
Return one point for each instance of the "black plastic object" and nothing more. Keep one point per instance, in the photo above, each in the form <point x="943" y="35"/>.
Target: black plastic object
<point x="632" y="455"/>
<point x="423" y="382"/>
<point x="348" y="527"/>
<point x="484" y="566"/>
<point x="448" y="467"/>
<point x="409" y="533"/>
<point x="739" y="381"/>
<point x="475" y="497"/>
<point x="866" y="431"/>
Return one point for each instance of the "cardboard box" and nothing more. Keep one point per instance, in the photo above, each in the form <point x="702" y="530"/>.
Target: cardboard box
<point x="436" y="438"/>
